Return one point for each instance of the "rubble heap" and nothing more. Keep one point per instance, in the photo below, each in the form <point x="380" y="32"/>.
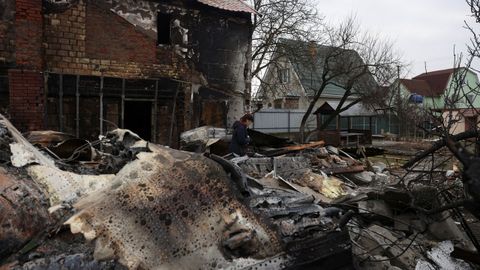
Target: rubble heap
<point x="122" y="202"/>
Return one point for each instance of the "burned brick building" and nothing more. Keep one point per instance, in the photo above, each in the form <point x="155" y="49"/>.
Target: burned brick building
<point x="155" y="67"/>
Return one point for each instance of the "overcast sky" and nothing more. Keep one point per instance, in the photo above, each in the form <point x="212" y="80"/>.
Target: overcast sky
<point x="422" y="30"/>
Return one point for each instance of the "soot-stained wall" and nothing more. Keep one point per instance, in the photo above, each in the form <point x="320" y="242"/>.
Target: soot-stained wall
<point x="7" y="15"/>
<point x="206" y="52"/>
<point x="218" y="46"/>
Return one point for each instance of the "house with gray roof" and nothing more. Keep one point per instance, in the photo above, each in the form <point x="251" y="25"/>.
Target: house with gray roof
<point x="296" y="73"/>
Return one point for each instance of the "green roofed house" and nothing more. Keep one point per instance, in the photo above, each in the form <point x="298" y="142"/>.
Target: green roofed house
<point x="295" y="75"/>
<point x="450" y="92"/>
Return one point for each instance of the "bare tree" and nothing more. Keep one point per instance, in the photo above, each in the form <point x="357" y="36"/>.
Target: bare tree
<point x="457" y="106"/>
<point x="357" y="62"/>
<point x="278" y="19"/>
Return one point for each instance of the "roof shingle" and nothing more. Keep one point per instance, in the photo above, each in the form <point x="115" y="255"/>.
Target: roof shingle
<point x="437" y="81"/>
<point x="308" y="60"/>
<point x="419" y="87"/>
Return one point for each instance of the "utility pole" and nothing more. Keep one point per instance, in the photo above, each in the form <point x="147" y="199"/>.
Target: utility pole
<point x="398" y="97"/>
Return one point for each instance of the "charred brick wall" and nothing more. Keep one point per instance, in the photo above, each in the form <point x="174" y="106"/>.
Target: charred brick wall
<point x="224" y="48"/>
<point x="26" y="99"/>
<point x="109" y="36"/>
<point x="95" y="38"/>
<point x="29" y="34"/>
<point x="26" y="80"/>
<point x="88" y="39"/>
<point x="7" y="37"/>
<point x="219" y="44"/>
<point x="220" y="49"/>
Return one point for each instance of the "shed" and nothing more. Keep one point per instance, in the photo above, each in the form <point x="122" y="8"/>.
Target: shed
<point x="337" y="136"/>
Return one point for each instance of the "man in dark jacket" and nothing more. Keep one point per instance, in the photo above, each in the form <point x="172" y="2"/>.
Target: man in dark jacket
<point x="240" y="139"/>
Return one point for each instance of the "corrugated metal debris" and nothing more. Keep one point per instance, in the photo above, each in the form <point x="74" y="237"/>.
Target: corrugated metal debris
<point x="286" y="207"/>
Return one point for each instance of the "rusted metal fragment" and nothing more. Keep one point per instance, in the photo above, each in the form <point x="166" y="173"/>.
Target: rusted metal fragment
<point x="46" y="138"/>
<point x="185" y="215"/>
<point x="72" y="150"/>
<point x="23" y="211"/>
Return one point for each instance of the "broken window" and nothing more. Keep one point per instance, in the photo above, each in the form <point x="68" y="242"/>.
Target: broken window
<point x="163" y="28"/>
<point x="4" y="93"/>
<point x="284" y="75"/>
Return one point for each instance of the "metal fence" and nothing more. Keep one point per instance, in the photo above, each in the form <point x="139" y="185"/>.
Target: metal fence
<point x="282" y="121"/>
<point x="288" y="121"/>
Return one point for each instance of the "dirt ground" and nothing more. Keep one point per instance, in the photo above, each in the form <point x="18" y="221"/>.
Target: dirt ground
<point x="405" y="148"/>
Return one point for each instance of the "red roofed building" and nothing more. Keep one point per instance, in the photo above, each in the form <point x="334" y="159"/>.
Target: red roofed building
<point x="451" y="92"/>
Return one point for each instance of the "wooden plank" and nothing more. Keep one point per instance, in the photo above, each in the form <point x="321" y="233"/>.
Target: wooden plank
<point x="293" y="148"/>
<point x="342" y="170"/>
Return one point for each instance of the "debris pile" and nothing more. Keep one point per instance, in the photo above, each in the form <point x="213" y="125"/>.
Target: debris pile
<point x="122" y="202"/>
<point x="395" y="220"/>
<point x="163" y="209"/>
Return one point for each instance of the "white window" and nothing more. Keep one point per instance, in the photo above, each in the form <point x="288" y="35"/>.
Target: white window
<point x="284" y="75"/>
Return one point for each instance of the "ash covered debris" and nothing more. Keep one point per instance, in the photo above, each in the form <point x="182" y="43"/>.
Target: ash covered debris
<point x="164" y="208"/>
<point x="395" y="217"/>
<point x="301" y="207"/>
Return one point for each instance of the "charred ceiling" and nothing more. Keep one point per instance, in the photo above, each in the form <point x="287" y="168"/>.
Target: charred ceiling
<point x="58" y="5"/>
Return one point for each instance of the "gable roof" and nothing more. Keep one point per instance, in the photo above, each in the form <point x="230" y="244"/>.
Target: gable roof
<point x="436" y="80"/>
<point x="230" y="5"/>
<point x="308" y="59"/>
<point x="420" y="87"/>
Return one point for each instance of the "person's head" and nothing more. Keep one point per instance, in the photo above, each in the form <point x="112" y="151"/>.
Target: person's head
<point x="247" y="119"/>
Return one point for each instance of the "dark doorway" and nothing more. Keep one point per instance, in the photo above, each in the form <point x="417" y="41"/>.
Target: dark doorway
<point x="138" y="118"/>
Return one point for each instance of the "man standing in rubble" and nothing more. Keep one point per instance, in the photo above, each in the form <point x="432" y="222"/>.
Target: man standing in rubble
<point x="240" y="138"/>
